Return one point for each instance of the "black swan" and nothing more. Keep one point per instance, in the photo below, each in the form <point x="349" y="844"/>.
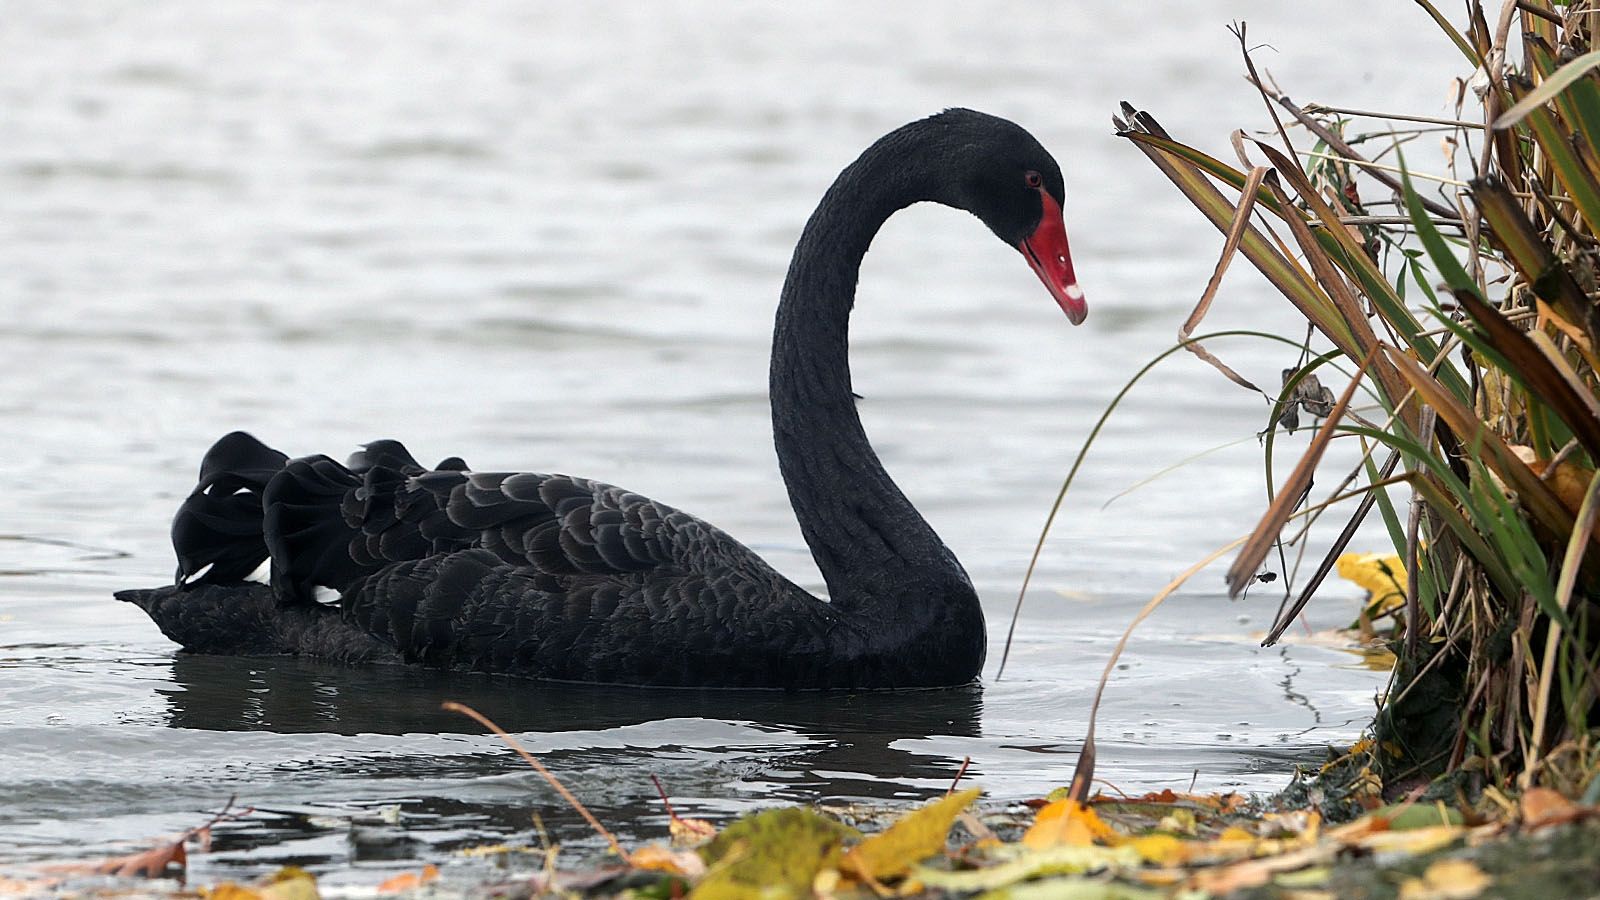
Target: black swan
<point x="557" y="577"/>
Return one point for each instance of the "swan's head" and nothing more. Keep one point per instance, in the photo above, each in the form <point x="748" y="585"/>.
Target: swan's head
<point x="1007" y="179"/>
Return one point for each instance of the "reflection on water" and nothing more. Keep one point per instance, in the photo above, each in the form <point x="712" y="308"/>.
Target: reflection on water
<point x="451" y="225"/>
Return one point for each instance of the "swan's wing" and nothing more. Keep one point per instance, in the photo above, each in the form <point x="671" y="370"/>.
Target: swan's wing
<point x="331" y="525"/>
<point x="565" y="525"/>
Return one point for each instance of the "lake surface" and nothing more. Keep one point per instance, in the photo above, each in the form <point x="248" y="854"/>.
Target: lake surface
<point x="550" y="236"/>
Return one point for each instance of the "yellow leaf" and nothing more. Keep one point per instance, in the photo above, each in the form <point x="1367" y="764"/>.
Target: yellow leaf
<point x="1447" y="879"/>
<point x="1161" y="849"/>
<point x="1068" y="822"/>
<point x="1381" y="574"/>
<point x="1235" y="833"/>
<point x="1180" y="820"/>
<point x="915" y="837"/>
<point x="290" y="883"/>
<point x="1412" y="841"/>
<point x="229" y="890"/>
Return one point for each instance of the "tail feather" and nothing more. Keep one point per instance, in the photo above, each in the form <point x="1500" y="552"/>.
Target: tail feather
<point x="217" y="533"/>
<point x="307" y="531"/>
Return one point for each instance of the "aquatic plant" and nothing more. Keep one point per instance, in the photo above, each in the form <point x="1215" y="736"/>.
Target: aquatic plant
<point x="1467" y="313"/>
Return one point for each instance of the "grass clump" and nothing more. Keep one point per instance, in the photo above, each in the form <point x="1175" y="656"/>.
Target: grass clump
<point x="1466" y="306"/>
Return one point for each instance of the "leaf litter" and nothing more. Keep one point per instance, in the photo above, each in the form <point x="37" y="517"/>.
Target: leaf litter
<point x="1154" y="845"/>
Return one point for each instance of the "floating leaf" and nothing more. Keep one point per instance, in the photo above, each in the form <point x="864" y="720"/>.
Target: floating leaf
<point x="915" y="837"/>
<point x="409" y="881"/>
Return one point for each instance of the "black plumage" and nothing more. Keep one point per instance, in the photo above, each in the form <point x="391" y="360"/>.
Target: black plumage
<point x="559" y="577"/>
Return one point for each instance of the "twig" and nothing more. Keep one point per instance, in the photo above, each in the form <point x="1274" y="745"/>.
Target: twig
<point x="1374" y="167"/>
<point x="1338" y="144"/>
<point x="965" y="761"/>
<point x="481" y="719"/>
<point x="1315" y="108"/>
<point x="1238" y="30"/>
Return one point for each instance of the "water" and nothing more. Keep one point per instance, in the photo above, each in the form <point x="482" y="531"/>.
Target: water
<point x="550" y="236"/>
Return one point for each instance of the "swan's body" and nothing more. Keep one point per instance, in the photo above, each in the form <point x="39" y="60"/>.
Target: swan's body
<point x="558" y="577"/>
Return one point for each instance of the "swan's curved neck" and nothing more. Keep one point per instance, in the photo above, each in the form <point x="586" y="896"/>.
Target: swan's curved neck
<point x="868" y="540"/>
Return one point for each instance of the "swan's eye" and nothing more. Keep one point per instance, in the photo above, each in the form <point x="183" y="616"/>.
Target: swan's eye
<point x="1033" y="179"/>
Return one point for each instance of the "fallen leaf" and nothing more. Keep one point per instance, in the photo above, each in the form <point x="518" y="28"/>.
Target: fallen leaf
<point x="1255" y="872"/>
<point x="1073" y="889"/>
<point x="1179" y="821"/>
<point x="1406" y="816"/>
<point x="1412" y="841"/>
<point x="690" y="832"/>
<point x="288" y="883"/>
<point x="657" y="858"/>
<point x="152" y="863"/>
<point x="291" y="883"/>
<point x="1542" y="807"/>
<point x="229" y="890"/>
<point x="1447" y="879"/>
<point x="1063" y="860"/>
<point x="1161" y="849"/>
<point x="772" y="853"/>
<point x="913" y="838"/>
<point x="409" y="881"/>
<point x="1068" y="822"/>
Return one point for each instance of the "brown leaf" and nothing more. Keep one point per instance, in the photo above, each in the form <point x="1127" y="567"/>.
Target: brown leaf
<point x="1542" y="807"/>
<point x="1230" y="246"/>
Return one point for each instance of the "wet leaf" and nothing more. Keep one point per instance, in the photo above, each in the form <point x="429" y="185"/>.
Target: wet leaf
<point x="152" y="863"/>
<point x="774" y="853"/>
<point x="915" y="837"/>
<point x="288" y="883"/>
<point x="1447" y="879"/>
<point x="656" y="858"/>
<point x="690" y="832"/>
<point x="409" y="881"/>
<point x="1067" y="822"/>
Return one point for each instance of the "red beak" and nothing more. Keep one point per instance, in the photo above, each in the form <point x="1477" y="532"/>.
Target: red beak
<point x="1048" y="256"/>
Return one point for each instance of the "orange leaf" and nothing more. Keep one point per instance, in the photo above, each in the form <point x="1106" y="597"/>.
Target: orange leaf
<point x="1068" y="822"/>
<point x="409" y="881"/>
